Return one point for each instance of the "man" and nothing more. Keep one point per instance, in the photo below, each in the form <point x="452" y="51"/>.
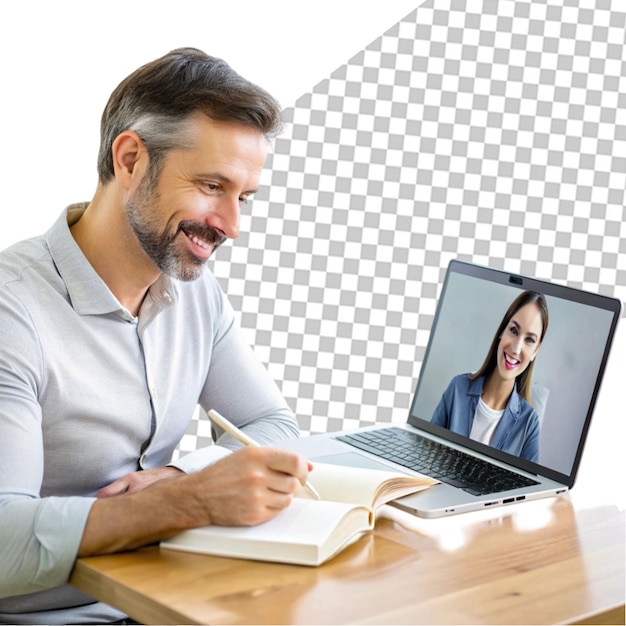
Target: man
<point x="113" y="331"/>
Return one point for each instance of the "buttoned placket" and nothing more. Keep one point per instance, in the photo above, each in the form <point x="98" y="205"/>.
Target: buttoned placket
<point x="157" y="299"/>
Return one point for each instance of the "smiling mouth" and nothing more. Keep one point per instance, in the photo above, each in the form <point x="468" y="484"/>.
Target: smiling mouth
<point x="203" y="238"/>
<point x="197" y="241"/>
<point x="510" y="363"/>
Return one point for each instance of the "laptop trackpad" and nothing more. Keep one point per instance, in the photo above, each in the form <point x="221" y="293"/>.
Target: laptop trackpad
<point x="354" y="460"/>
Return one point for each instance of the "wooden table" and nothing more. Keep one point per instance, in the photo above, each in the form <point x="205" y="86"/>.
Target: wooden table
<point x="559" y="560"/>
<point x="534" y="563"/>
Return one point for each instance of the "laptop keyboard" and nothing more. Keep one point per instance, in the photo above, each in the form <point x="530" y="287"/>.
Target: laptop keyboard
<point x="429" y="457"/>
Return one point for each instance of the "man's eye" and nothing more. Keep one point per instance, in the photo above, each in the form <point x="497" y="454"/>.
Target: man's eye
<point x="243" y="199"/>
<point x="212" y="186"/>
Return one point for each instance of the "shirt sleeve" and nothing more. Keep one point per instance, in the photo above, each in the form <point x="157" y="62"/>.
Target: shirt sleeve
<point x="443" y="410"/>
<point x="39" y="537"/>
<point x="39" y="541"/>
<point x="240" y="388"/>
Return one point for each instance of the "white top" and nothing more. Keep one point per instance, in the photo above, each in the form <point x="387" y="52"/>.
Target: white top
<point x="485" y="421"/>
<point x="89" y="393"/>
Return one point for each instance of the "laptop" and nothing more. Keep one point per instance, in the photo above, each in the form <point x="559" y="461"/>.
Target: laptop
<point x="528" y="448"/>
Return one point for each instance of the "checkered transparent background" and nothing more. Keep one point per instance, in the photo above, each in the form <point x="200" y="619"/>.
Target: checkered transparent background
<point x="490" y="131"/>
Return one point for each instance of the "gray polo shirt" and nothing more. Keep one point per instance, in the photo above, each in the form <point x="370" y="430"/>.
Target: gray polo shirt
<point x="89" y="393"/>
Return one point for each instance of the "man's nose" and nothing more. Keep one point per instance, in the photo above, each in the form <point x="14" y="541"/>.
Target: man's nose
<point x="226" y="217"/>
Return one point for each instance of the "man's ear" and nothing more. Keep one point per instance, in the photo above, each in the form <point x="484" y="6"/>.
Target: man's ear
<point x="130" y="158"/>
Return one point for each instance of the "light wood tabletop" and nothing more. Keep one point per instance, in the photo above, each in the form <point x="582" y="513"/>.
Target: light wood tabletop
<point x="534" y="563"/>
<point x="559" y="560"/>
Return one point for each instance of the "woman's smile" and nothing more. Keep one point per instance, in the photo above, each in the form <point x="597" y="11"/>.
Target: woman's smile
<point x="510" y="363"/>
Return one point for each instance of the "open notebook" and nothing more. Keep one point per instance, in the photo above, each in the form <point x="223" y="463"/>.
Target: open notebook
<point x="532" y="447"/>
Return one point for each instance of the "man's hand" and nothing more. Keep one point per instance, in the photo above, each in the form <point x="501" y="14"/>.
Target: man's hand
<point x="245" y="488"/>
<point x="136" y="481"/>
<point x="249" y="486"/>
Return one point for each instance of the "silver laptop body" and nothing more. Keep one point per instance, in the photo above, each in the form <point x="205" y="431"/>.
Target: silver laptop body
<point x="568" y="370"/>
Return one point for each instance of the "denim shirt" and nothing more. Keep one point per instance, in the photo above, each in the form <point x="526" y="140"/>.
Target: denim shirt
<point x="517" y="431"/>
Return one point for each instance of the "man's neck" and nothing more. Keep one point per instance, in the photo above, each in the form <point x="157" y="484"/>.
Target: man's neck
<point x="107" y="241"/>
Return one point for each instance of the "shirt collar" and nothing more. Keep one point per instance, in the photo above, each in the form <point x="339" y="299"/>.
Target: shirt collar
<point x="476" y="386"/>
<point x="88" y="293"/>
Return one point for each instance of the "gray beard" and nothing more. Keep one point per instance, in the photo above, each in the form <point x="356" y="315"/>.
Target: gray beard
<point x="171" y="259"/>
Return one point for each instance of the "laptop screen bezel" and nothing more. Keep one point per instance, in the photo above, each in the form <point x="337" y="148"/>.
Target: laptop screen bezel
<point x="612" y="305"/>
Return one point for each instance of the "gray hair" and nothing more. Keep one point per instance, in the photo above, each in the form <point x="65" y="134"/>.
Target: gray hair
<point x="158" y="100"/>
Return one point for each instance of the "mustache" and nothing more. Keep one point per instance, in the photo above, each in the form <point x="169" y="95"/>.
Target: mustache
<point x="210" y="235"/>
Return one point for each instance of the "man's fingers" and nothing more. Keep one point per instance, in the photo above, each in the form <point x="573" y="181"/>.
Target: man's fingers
<point x="136" y="481"/>
<point x="251" y="485"/>
<point x="114" y="489"/>
<point x="289" y="463"/>
<point x="283" y="483"/>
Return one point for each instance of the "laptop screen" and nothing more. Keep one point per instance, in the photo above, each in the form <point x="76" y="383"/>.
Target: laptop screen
<point x="489" y="379"/>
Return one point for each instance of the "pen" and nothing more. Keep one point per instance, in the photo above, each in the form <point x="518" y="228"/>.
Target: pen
<point x="240" y="436"/>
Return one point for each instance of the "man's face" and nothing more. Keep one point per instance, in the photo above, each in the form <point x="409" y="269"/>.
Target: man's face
<point x="194" y="205"/>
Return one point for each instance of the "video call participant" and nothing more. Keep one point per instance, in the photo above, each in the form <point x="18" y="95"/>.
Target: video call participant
<point x="493" y="405"/>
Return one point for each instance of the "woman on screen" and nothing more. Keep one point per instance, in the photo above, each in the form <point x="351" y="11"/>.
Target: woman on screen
<point x="493" y="404"/>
